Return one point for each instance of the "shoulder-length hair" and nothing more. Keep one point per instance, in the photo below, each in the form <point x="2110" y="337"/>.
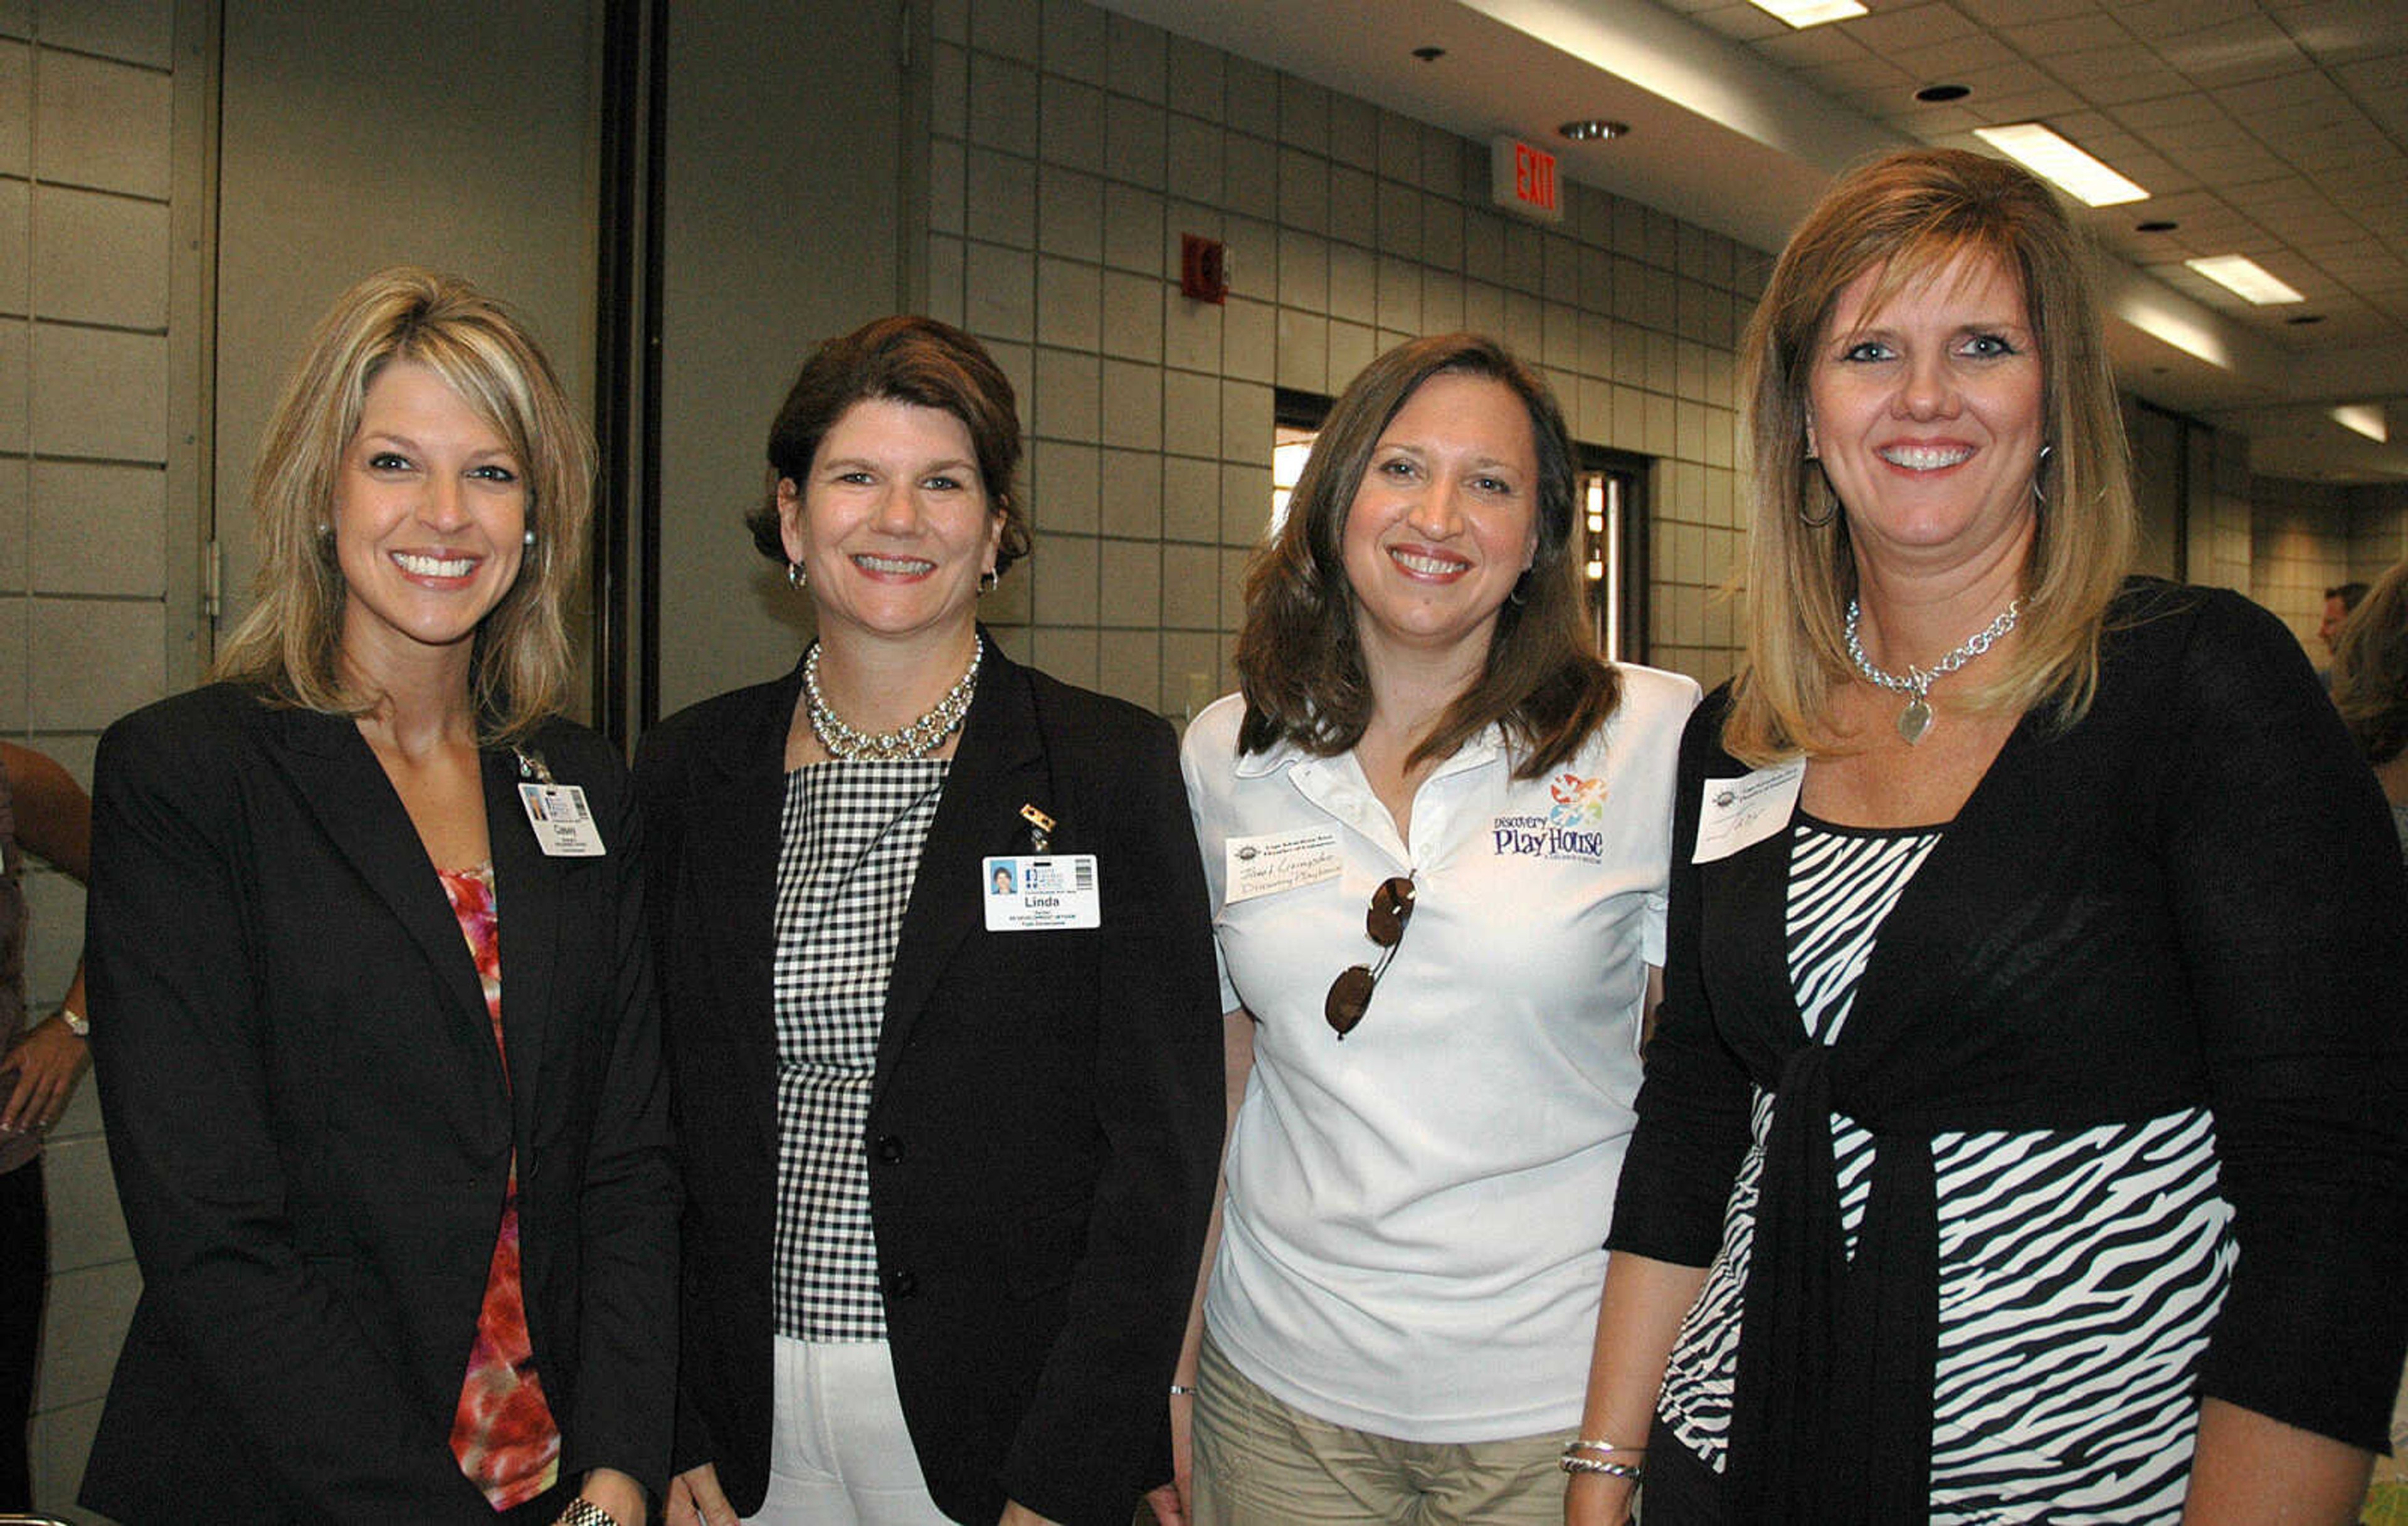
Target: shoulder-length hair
<point x="289" y="643"/>
<point x="904" y="359"/>
<point x="1299" y="659"/>
<point x="2371" y="669"/>
<point x="1910" y="215"/>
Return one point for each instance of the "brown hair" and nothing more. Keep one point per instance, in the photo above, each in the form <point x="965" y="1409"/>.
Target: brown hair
<point x="1299" y="662"/>
<point x="905" y="359"/>
<point x="2371" y="668"/>
<point x="1909" y="216"/>
<point x="289" y="643"/>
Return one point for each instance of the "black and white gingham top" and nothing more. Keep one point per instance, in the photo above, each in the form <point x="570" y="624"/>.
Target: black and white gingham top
<point x="851" y="834"/>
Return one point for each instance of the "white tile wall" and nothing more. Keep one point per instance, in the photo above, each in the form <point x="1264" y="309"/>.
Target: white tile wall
<point x="85" y="173"/>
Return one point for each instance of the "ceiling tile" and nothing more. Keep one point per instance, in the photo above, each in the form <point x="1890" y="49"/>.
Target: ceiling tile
<point x="2251" y="49"/>
<point x="2072" y="34"/>
<point x="2156" y="19"/>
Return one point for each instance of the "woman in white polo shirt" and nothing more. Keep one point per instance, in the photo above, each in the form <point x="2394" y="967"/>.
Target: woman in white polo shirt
<point x="1436" y="827"/>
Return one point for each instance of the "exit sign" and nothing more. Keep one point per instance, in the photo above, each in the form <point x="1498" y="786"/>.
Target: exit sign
<point x="1523" y="179"/>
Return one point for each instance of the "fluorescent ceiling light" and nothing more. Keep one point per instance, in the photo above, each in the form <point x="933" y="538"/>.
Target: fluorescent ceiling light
<point x="2243" y="276"/>
<point x="1810" y="13"/>
<point x="2365" y="418"/>
<point x="2046" y="154"/>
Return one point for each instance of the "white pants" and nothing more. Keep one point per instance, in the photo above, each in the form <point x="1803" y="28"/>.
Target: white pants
<point x="840" y="1454"/>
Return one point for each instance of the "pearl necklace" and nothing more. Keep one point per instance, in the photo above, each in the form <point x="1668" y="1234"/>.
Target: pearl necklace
<point x="915" y="740"/>
<point x="1915" y="719"/>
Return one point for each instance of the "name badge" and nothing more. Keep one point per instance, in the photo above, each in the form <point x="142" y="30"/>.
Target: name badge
<point x="1039" y="890"/>
<point x="1742" y="812"/>
<point x="563" y="823"/>
<point x="1279" y="860"/>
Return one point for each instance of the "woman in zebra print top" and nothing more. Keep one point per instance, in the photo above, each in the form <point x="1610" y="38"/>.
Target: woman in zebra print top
<point x="2024" y="1133"/>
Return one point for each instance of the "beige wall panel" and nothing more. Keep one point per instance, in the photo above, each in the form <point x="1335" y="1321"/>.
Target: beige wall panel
<point x="99" y="529"/>
<point x="350" y="145"/>
<point x="783" y="220"/>
<point x="102" y="393"/>
<point x="101" y="258"/>
<point x="100" y="124"/>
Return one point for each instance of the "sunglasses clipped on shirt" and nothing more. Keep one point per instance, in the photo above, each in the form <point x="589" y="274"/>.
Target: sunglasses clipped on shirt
<point x="1350" y="994"/>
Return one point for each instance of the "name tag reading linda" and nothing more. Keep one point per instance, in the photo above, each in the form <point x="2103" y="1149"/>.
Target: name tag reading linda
<point x="564" y="824"/>
<point x="1742" y="812"/>
<point x="1035" y="891"/>
<point x="1279" y="860"/>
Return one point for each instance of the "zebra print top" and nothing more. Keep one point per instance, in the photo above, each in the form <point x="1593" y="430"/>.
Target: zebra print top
<point x="2079" y="1269"/>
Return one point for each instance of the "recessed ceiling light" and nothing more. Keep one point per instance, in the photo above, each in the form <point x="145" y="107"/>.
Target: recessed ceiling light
<point x="2244" y="277"/>
<point x="2157" y="224"/>
<point x="1936" y="94"/>
<point x="2045" y="154"/>
<point x="1429" y="54"/>
<point x="2366" y="419"/>
<point x="1810" y="13"/>
<point x="2301" y="320"/>
<point x="1589" y="128"/>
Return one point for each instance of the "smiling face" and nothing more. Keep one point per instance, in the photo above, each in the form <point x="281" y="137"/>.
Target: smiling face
<point x="893" y="526"/>
<point x="429" y="505"/>
<point x="1927" y="414"/>
<point x="1445" y="519"/>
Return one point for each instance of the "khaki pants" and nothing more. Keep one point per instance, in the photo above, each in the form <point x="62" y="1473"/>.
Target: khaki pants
<point x="1261" y="1463"/>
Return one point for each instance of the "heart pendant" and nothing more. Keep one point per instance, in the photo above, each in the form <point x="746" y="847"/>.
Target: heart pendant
<point x="1915" y="719"/>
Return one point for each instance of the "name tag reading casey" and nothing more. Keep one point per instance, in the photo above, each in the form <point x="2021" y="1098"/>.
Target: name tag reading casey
<point x="1742" y="812"/>
<point x="564" y="825"/>
<point x="1035" y="892"/>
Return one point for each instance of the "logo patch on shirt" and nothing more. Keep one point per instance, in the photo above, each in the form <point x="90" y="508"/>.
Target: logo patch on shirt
<point x="1572" y="827"/>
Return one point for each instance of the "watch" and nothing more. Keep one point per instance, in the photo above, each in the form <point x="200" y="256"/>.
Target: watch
<point x="77" y="1022"/>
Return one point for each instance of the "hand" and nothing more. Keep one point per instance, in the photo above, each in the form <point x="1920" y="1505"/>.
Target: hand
<point x="616" y="1492"/>
<point x="694" y="1496"/>
<point x="1017" y="1514"/>
<point x="1173" y="1501"/>
<point x="47" y="1060"/>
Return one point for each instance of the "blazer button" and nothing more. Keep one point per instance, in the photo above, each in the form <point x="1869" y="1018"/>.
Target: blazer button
<point x="902" y="1284"/>
<point x="890" y="1148"/>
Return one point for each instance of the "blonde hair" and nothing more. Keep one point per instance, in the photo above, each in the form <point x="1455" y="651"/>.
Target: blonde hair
<point x="2371" y="669"/>
<point x="289" y="643"/>
<point x="1910" y="215"/>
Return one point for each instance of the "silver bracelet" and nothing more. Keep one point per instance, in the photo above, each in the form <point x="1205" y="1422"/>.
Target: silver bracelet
<point x="1183" y="1391"/>
<point x="1585" y="1444"/>
<point x="1574" y="1462"/>
<point x="584" y="1512"/>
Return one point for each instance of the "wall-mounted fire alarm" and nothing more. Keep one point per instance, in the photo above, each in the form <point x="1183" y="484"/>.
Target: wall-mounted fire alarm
<point x="1203" y="268"/>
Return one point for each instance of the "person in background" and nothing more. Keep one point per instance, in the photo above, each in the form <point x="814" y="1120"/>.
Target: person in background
<point x="377" y="1048"/>
<point x="2339" y="603"/>
<point x="1434" y="824"/>
<point x="948" y="1144"/>
<point x="2369" y="686"/>
<point x="42" y="808"/>
<point x="2024" y="1134"/>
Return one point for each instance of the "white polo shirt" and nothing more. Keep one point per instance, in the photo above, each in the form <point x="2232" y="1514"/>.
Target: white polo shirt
<point x="1411" y="1243"/>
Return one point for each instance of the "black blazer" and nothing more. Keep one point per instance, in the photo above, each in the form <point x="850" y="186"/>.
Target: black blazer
<point x="312" y="1134"/>
<point x="1045" y="1119"/>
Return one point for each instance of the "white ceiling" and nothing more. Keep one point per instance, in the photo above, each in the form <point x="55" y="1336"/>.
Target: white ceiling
<point x="2272" y="128"/>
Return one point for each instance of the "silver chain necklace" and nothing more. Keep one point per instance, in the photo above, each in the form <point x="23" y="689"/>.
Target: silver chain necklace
<point x="915" y="740"/>
<point x="1915" y="719"/>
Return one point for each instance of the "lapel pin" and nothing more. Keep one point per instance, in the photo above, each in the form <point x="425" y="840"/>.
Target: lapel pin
<point x="1040" y="829"/>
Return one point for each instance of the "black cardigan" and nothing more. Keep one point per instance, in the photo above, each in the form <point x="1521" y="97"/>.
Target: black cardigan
<point x="1045" y="1112"/>
<point x="2190" y="896"/>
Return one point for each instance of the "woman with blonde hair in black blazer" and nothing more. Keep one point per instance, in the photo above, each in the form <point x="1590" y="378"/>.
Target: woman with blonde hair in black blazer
<point x="406" y="1246"/>
<point x="939" y="1007"/>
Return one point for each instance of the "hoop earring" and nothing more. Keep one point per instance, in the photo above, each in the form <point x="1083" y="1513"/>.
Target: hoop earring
<point x="1829" y="513"/>
<point x="1521" y="593"/>
<point x="795" y="576"/>
<point x="987" y="580"/>
<point x="2040" y="467"/>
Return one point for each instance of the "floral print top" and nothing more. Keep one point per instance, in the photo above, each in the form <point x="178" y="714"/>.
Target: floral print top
<point x="503" y="1431"/>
